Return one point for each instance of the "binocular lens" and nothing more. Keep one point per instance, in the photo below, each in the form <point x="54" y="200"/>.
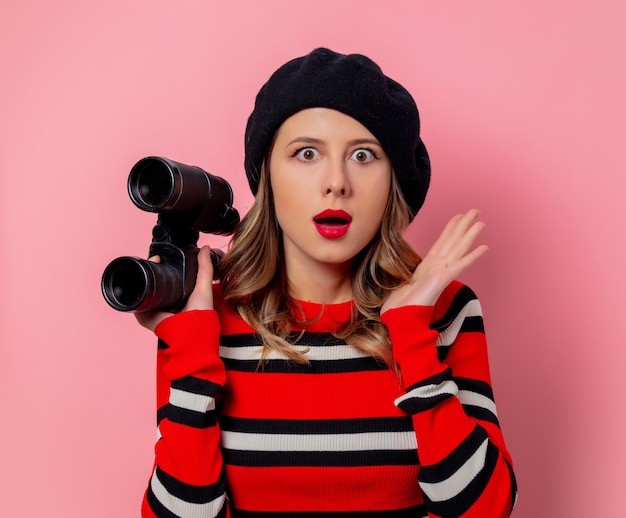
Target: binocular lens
<point x="125" y="283"/>
<point x="152" y="184"/>
<point x="133" y="284"/>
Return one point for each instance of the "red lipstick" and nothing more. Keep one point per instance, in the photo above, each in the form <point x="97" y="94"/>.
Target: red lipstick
<point x="332" y="224"/>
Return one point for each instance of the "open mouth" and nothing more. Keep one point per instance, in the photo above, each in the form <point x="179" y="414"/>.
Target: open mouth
<point x="333" y="218"/>
<point x="332" y="224"/>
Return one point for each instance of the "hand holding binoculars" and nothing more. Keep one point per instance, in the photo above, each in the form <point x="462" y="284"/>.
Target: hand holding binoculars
<point x="188" y="200"/>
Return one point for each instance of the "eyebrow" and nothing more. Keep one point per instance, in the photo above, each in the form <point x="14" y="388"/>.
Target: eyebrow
<point x="355" y="142"/>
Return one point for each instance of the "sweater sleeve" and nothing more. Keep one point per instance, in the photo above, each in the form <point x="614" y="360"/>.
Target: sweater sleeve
<point x="466" y="470"/>
<point x="187" y="479"/>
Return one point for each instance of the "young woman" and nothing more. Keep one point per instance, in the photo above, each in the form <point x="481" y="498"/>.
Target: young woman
<point x="329" y="371"/>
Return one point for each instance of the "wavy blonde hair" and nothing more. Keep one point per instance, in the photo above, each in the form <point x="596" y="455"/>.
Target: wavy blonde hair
<point x="254" y="280"/>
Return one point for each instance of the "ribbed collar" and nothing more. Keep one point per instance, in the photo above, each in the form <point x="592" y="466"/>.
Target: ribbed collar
<point x="326" y="317"/>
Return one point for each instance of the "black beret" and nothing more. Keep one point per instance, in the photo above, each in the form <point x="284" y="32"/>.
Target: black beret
<point x="352" y="84"/>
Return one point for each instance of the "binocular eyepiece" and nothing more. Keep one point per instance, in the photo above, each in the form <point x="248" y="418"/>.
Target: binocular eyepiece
<point x="188" y="200"/>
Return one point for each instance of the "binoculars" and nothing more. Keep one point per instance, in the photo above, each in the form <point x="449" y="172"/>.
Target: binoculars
<point x="188" y="200"/>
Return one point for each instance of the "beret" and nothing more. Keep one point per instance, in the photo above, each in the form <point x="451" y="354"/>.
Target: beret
<point x="352" y="84"/>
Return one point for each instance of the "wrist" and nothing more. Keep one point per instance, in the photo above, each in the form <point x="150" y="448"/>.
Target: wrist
<point x="413" y="342"/>
<point x="192" y="339"/>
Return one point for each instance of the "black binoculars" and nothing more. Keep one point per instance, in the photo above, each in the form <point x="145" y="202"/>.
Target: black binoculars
<point x="188" y="200"/>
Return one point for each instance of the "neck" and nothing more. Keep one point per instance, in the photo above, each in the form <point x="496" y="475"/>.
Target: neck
<point x="323" y="284"/>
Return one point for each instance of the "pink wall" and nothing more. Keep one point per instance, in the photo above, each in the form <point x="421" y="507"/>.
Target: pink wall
<point x="523" y="114"/>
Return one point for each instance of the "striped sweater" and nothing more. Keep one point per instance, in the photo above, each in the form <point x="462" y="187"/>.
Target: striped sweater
<point x="342" y="436"/>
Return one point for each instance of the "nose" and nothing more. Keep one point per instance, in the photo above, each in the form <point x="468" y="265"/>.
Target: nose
<point x="336" y="180"/>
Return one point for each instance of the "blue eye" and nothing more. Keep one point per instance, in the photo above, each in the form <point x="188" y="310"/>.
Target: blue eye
<point x="363" y="155"/>
<point x="306" y="154"/>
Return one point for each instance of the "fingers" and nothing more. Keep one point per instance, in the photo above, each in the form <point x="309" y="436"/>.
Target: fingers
<point x="204" y="280"/>
<point x="465" y="239"/>
<point x="450" y="255"/>
<point x="202" y="295"/>
<point x="469" y="259"/>
<point x="458" y="236"/>
<point x="452" y="252"/>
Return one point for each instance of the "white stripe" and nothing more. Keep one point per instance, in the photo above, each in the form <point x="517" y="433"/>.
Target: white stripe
<point x="191" y="401"/>
<point x="319" y="442"/>
<point x="453" y="485"/>
<point x="185" y="509"/>
<point x="448" y="335"/>
<point x="428" y="391"/>
<point x="467" y="397"/>
<point x="313" y="353"/>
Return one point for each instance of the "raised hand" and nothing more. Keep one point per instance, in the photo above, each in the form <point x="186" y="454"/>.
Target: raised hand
<point x="201" y="297"/>
<point x="450" y="255"/>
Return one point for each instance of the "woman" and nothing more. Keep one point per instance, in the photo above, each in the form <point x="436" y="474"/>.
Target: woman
<point x="330" y="371"/>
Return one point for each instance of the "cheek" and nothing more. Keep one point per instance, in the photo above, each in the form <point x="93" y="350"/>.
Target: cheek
<point x="286" y="196"/>
<point x="378" y="197"/>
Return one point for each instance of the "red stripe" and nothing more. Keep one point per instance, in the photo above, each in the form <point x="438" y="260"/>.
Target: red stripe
<point x="323" y="396"/>
<point x="327" y="489"/>
<point x="194" y="458"/>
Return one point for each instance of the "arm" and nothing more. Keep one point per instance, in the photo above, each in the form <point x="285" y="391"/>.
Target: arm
<point x="437" y="339"/>
<point x="465" y="467"/>
<point x="187" y="479"/>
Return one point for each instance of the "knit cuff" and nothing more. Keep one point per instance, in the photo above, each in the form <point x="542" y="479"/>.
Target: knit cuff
<point x="192" y="343"/>
<point x="414" y="343"/>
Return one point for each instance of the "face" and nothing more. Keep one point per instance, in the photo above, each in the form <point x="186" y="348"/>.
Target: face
<point x="330" y="179"/>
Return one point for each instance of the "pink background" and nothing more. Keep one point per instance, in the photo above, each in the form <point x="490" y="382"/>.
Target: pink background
<point x="523" y="113"/>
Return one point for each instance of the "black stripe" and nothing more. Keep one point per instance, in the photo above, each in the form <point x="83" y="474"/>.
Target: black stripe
<point x="459" y="504"/>
<point x="241" y="340"/>
<point x="190" y="417"/>
<point x="162" y="345"/>
<point x="193" y="386"/>
<point x="315" y="427"/>
<point x="320" y="458"/>
<point x="473" y="324"/>
<point x="442" y="352"/>
<point x="478" y="412"/>
<point x="448" y="466"/>
<point x="474" y="385"/>
<point x="286" y="366"/>
<point x="314" y="366"/>
<point x="162" y="512"/>
<point x="482" y="388"/>
<point x="418" y="511"/>
<point x="513" y="485"/>
<point x="469" y="325"/>
<point x="300" y="339"/>
<point x="157" y="507"/>
<point x="161" y="413"/>
<point x="437" y="379"/>
<point x="315" y="339"/>
<point x="196" y="386"/>
<point x="191" y="493"/>
<point x="415" y="405"/>
<point x="460" y="300"/>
